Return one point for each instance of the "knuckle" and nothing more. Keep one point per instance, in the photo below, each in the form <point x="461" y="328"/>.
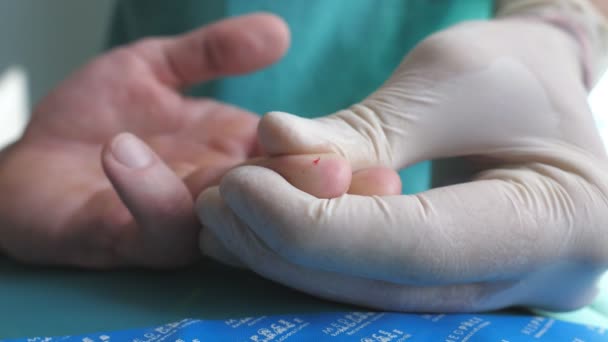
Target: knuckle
<point x="127" y="59"/>
<point x="148" y="44"/>
<point x="295" y="246"/>
<point x="366" y="124"/>
<point x="221" y="49"/>
<point x="213" y="49"/>
<point x="138" y="61"/>
<point x="291" y="246"/>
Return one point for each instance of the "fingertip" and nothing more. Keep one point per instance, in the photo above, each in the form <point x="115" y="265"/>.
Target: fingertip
<point x="258" y="40"/>
<point x="330" y="176"/>
<point x="273" y="132"/>
<point x="128" y="151"/>
<point x="141" y="178"/>
<point x="320" y="175"/>
<point x="280" y="35"/>
<point x="377" y="181"/>
<point x="230" y="46"/>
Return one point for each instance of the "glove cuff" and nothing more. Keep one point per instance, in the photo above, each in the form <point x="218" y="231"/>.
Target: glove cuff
<point x="579" y="18"/>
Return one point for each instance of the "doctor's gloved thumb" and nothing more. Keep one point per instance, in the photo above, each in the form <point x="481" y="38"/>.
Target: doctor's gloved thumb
<point x="350" y="133"/>
<point x="332" y="144"/>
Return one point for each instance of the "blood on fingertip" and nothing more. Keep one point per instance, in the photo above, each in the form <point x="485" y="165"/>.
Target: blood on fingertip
<point x="316" y="161"/>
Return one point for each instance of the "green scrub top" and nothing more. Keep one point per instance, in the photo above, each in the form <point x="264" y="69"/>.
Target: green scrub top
<point x="341" y="50"/>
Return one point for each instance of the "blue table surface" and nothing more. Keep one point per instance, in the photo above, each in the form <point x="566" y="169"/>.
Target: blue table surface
<point x="42" y="301"/>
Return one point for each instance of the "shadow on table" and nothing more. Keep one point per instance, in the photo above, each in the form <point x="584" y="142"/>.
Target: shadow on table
<point x="38" y="301"/>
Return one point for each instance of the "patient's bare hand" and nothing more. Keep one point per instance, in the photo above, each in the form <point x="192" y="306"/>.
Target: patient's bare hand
<point x="76" y="190"/>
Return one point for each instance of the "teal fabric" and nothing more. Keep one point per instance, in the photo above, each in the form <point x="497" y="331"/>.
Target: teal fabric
<point x="341" y="50"/>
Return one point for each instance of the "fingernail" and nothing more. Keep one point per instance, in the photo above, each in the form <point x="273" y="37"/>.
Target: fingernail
<point x="130" y="151"/>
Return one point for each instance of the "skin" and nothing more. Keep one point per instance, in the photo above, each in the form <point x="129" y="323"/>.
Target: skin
<point x="68" y="200"/>
<point x="79" y="190"/>
<point x="330" y="176"/>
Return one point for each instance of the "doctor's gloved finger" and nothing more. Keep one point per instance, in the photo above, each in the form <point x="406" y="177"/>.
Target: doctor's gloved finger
<point x="375" y="181"/>
<point x="208" y="206"/>
<point x="228" y="47"/>
<point x="456" y="234"/>
<point x="214" y="248"/>
<point x="157" y="199"/>
<point x="209" y="243"/>
<point x="377" y="294"/>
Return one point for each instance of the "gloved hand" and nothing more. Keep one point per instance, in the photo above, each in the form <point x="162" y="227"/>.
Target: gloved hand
<point x="528" y="228"/>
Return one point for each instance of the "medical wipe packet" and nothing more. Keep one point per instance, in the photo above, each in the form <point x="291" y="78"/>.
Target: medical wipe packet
<point x="357" y="326"/>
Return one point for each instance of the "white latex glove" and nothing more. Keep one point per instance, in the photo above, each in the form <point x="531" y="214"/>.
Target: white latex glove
<point x="531" y="229"/>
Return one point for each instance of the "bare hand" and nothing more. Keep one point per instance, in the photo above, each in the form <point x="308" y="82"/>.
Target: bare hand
<point x="77" y="190"/>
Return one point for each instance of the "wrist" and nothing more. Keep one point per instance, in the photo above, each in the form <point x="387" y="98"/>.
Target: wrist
<point x="579" y="19"/>
<point x="567" y="40"/>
